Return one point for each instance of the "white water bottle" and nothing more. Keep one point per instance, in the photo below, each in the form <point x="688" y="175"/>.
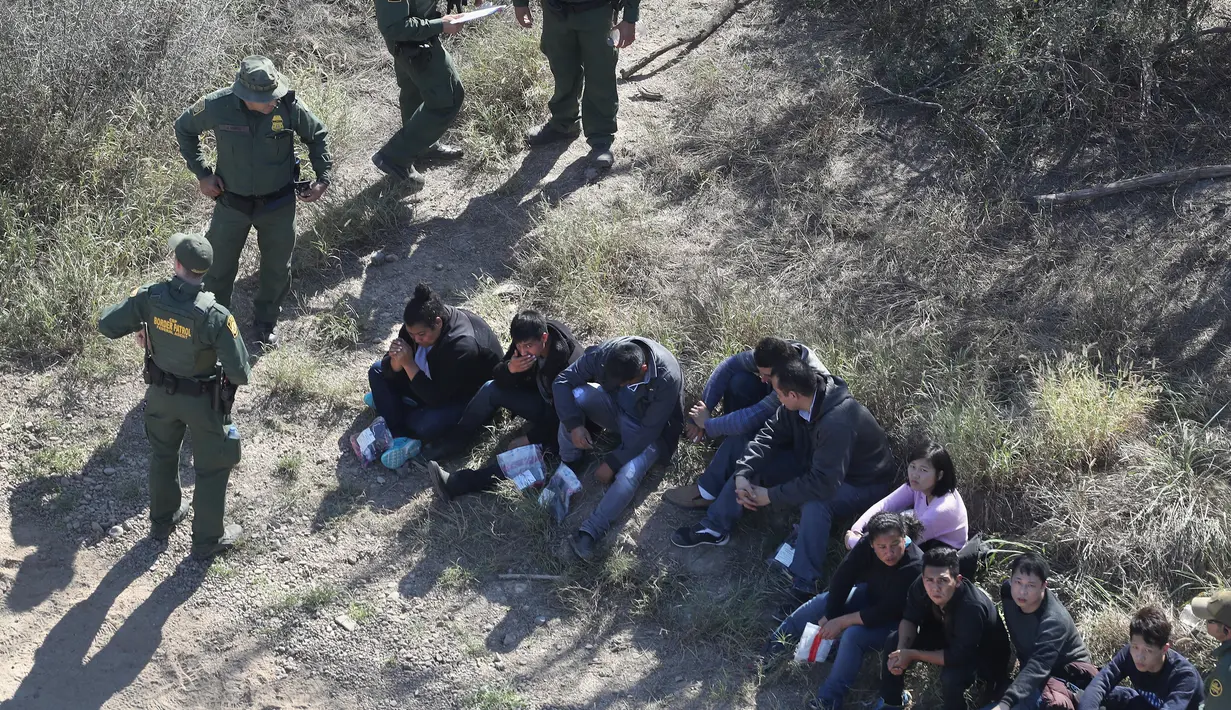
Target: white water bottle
<point x="613" y="37"/>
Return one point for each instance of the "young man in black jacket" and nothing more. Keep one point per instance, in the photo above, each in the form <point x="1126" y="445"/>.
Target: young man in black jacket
<point x="948" y="622"/>
<point x="862" y="607"/>
<point x="1053" y="661"/>
<point x="821" y="451"/>
<point x="521" y="383"/>
<point x="1161" y="677"/>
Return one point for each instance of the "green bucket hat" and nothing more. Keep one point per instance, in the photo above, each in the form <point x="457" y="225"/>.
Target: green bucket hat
<point x="193" y="251"/>
<point x="258" y="81"/>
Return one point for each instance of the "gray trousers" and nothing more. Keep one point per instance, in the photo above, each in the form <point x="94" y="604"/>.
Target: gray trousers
<point x="600" y="408"/>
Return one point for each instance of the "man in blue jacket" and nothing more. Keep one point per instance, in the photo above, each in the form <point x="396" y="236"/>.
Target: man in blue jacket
<point x="742" y="384"/>
<point x="822" y="451"/>
<point x="630" y="385"/>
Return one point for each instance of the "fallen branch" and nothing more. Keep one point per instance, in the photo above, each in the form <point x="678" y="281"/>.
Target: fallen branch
<point x="1204" y="172"/>
<point x="729" y="8"/>
<point x="534" y="577"/>
<point x="1166" y="49"/>
<point x="932" y="105"/>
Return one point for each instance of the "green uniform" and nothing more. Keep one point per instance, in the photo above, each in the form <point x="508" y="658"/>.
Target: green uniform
<point x="1218" y="682"/>
<point x="188" y="334"/>
<point x="576" y="43"/>
<point x="430" y="91"/>
<point x="256" y="159"/>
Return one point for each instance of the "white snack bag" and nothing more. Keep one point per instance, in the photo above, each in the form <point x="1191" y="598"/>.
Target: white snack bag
<point x="812" y="648"/>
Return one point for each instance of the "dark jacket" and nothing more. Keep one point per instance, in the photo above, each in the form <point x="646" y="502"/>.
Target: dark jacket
<point x="886" y="586"/>
<point x="974" y="634"/>
<point x="563" y="351"/>
<point x="1176" y="687"/>
<point x="461" y="361"/>
<point x="1046" y="641"/>
<point x="656" y="408"/>
<point x="843" y="441"/>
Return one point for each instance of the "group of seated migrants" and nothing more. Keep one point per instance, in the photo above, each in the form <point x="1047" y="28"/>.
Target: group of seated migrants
<point x="791" y="434"/>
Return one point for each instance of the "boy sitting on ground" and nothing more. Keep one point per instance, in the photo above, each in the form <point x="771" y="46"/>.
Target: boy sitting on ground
<point x="951" y="623"/>
<point x="1054" y="663"/>
<point x="1161" y="677"/>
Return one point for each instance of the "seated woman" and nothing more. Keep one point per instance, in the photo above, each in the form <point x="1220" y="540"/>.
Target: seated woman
<point x="441" y="357"/>
<point x="930" y="494"/>
<point x="863" y="606"/>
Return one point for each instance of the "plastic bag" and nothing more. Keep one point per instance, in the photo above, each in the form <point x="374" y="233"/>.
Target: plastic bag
<point x="370" y="443"/>
<point x="812" y="648"/>
<point x="523" y="466"/>
<point x="563" y="486"/>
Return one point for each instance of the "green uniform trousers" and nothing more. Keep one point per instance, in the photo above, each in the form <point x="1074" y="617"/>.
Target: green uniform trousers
<point x="430" y="97"/>
<point x="275" y="238"/>
<point x="213" y="457"/>
<point x="584" y="67"/>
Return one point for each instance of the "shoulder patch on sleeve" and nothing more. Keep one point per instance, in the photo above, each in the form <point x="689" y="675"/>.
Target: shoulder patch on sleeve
<point x="231" y="326"/>
<point x="135" y="291"/>
<point x="198" y="107"/>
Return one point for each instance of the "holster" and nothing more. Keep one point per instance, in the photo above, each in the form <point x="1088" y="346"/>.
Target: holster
<point x="417" y="52"/>
<point x="222" y="393"/>
<point x="253" y="206"/>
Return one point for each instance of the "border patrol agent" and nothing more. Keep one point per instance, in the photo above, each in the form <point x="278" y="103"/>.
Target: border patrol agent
<point x="1215" y="611"/>
<point x="254" y="123"/>
<point x="430" y="91"/>
<point x="186" y="333"/>
<point x="578" y="41"/>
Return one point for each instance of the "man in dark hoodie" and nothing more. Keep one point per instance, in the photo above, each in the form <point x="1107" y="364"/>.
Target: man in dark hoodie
<point x="742" y="384"/>
<point x="630" y="385"/>
<point x="1053" y="660"/>
<point x="822" y="451"/>
<point x="1162" y="679"/>
<point x="521" y="383"/>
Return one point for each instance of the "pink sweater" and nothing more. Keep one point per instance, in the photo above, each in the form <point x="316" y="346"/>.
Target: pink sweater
<point x="944" y="519"/>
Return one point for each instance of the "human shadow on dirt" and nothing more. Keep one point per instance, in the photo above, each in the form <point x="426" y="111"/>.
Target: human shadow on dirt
<point x="38" y="507"/>
<point x="63" y="677"/>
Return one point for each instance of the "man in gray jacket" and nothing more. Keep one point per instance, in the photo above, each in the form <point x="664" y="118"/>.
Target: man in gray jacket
<point x="822" y="452"/>
<point x="630" y="385"/>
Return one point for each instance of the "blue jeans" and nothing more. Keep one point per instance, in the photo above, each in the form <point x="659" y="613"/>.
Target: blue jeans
<point x="815" y="516"/>
<point x="600" y="408"/>
<point x="855" y="641"/>
<point x="405" y="415"/>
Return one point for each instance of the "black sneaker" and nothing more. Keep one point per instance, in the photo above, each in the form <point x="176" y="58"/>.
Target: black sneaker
<point x="602" y="157"/>
<point x="442" y="151"/>
<point x="547" y="133"/>
<point x="697" y="535"/>
<point x="440" y="481"/>
<point x="162" y="531"/>
<point x="395" y="171"/>
<point x="230" y="535"/>
<point x="583" y="545"/>
<point x="265" y="333"/>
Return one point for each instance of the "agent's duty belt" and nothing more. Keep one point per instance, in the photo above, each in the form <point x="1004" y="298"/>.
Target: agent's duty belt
<point x="563" y="8"/>
<point x="259" y="204"/>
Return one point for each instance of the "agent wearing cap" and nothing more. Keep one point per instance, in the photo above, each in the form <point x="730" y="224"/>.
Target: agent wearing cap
<point x="430" y="92"/>
<point x="186" y="333"/>
<point x="1215" y="610"/>
<point x="254" y="123"/>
